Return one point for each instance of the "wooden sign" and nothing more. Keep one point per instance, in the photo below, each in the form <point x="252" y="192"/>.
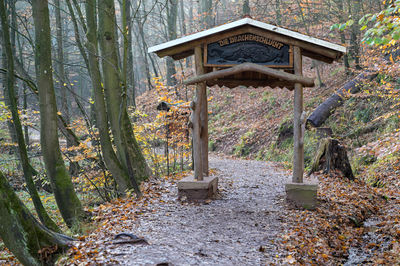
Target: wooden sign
<point x="248" y="48"/>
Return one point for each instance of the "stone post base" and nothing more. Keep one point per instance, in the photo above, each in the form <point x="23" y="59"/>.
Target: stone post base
<point x="302" y="195"/>
<point x="195" y="190"/>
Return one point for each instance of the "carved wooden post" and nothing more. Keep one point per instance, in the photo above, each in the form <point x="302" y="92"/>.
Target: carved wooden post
<point x="203" y="121"/>
<point x="298" y="155"/>
<point x="198" y="106"/>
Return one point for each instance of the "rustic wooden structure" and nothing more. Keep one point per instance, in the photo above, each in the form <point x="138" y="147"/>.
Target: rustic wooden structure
<point x="247" y="53"/>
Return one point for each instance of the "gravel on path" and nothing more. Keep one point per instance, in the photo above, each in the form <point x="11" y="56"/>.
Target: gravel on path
<point x="238" y="228"/>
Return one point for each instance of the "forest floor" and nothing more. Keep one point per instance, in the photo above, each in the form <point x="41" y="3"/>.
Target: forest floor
<point x="239" y="227"/>
<point x="249" y="223"/>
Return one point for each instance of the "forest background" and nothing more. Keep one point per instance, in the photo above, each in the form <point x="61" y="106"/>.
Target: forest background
<point x="79" y="95"/>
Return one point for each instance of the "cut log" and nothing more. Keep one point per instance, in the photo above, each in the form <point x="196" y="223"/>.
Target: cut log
<point x="324" y="110"/>
<point x="332" y="156"/>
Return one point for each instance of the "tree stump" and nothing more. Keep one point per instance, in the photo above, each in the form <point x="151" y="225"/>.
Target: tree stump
<point x="332" y="156"/>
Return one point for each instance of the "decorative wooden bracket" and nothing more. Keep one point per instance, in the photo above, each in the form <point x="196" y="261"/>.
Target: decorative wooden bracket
<point x="291" y="78"/>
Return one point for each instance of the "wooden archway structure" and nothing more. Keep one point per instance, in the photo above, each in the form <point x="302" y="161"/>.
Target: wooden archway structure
<point x="249" y="53"/>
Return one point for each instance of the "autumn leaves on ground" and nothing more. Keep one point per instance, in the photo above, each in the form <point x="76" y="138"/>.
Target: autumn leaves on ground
<point x="356" y="221"/>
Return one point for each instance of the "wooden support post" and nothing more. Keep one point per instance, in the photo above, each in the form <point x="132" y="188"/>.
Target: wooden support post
<point x="197" y="108"/>
<point x="298" y="155"/>
<point x="203" y="121"/>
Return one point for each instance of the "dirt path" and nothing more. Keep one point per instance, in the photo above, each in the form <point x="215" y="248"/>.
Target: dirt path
<point x="237" y="229"/>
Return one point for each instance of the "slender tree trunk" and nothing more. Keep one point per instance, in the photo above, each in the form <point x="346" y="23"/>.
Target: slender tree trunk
<point x="143" y="48"/>
<point x="22" y="234"/>
<point x="60" y="63"/>
<point x="110" y="158"/>
<point x="10" y="127"/>
<point x="278" y="14"/>
<point x="111" y="71"/>
<point x="73" y="166"/>
<point x="340" y="14"/>
<point x="16" y="124"/>
<point x="172" y="14"/>
<point x="183" y="25"/>
<point x="62" y="125"/>
<point x="129" y="152"/>
<point x="67" y="201"/>
<point x="130" y="81"/>
<point x="355" y="32"/>
<point x="206" y="11"/>
<point x="246" y="8"/>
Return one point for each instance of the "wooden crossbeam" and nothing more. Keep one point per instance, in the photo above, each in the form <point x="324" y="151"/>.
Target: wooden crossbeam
<point x="291" y="78"/>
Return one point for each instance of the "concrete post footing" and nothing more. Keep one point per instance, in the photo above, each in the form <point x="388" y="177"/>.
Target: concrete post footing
<point x="302" y="195"/>
<point x="195" y="190"/>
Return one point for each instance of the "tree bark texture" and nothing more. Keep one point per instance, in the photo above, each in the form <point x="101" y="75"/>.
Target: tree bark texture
<point x="23" y="235"/>
<point x="110" y="158"/>
<point x="332" y="156"/>
<point x="67" y="200"/>
<point x="16" y="123"/>
<point x="64" y="101"/>
<point x="111" y="70"/>
<point x="62" y="124"/>
<point x="206" y="12"/>
<point x="246" y="8"/>
<point x="324" y="110"/>
<point x="124" y="138"/>
<point x="172" y="15"/>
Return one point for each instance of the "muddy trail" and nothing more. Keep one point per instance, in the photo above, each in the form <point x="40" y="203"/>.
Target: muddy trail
<point x="240" y="227"/>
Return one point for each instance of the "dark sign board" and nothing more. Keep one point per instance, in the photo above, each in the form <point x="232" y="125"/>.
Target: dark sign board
<point x="250" y="48"/>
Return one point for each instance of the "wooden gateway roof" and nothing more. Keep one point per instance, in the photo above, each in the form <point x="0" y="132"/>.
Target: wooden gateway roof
<point x="257" y="53"/>
<point x="311" y="47"/>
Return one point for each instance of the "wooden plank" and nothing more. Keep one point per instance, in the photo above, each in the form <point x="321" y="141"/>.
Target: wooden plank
<point x="293" y="78"/>
<point x="198" y="163"/>
<point x="298" y="154"/>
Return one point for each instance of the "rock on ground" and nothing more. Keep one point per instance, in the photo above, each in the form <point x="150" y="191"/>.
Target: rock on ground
<point x="238" y="228"/>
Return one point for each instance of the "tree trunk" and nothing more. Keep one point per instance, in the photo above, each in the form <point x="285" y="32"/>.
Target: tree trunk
<point x="122" y="130"/>
<point x="32" y="243"/>
<point x="62" y="125"/>
<point x="130" y="80"/>
<point x="60" y="62"/>
<point x="206" y="12"/>
<point x="67" y="201"/>
<point x="278" y="12"/>
<point x="141" y="18"/>
<point x="110" y="158"/>
<point x="246" y="8"/>
<point x="172" y="14"/>
<point x="324" y="110"/>
<point x="341" y="16"/>
<point x="73" y="166"/>
<point x="332" y="156"/>
<point x="111" y="71"/>
<point x="355" y="11"/>
<point x="16" y="124"/>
